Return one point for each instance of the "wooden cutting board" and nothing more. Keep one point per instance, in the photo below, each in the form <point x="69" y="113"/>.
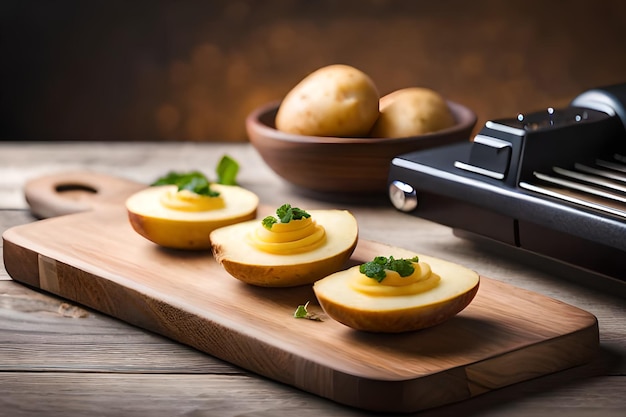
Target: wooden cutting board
<point x="94" y="258"/>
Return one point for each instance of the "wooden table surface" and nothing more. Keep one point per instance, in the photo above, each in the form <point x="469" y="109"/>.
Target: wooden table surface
<point x="60" y="359"/>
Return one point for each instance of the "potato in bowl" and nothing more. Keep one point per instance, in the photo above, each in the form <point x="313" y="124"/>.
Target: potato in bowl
<point x="412" y="112"/>
<point x="337" y="100"/>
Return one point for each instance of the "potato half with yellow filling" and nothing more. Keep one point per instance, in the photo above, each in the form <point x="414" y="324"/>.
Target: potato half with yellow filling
<point x="243" y="260"/>
<point x="179" y="226"/>
<point x="385" y="313"/>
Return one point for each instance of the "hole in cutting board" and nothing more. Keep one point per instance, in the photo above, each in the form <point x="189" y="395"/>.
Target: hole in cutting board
<point x="75" y="191"/>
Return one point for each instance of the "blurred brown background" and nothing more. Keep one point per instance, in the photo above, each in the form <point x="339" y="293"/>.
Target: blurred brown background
<point x="192" y="70"/>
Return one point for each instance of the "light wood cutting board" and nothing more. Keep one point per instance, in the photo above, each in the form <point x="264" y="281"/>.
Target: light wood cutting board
<point x="94" y="258"/>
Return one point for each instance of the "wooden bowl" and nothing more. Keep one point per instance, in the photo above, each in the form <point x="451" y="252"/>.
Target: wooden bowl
<point x="345" y="166"/>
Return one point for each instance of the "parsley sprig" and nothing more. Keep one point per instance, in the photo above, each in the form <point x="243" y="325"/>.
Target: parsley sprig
<point x="194" y="181"/>
<point x="227" y="170"/>
<point x="285" y="214"/>
<point x="375" y="269"/>
<point x="302" y="313"/>
<point x="197" y="182"/>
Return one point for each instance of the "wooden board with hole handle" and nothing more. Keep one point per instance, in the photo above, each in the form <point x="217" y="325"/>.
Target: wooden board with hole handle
<point x="93" y="257"/>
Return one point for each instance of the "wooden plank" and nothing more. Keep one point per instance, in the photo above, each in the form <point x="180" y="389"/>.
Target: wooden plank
<point x="41" y="333"/>
<point x="110" y="395"/>
<point x="97" y="260"/>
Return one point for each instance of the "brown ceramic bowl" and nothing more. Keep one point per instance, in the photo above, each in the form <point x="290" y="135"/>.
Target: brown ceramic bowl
<point x="346" y="166"/>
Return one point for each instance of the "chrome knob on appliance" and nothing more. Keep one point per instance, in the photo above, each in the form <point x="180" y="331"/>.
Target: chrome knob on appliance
<point x="403" y="196"/>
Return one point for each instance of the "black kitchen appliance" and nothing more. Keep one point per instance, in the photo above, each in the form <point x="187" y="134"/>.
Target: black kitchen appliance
<point x="551" y="183"/>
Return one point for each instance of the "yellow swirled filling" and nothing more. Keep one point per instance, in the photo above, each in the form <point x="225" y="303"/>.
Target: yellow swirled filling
<point x="296" y="236"/>
<point x="421" y="280"/>
<point x="186" y="200"/>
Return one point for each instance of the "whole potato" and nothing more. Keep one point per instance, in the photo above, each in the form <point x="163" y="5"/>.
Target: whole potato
<point x="336" y="100"/>
<point x="410" y="112"/>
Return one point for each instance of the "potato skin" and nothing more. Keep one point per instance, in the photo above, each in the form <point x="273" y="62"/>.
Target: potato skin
<point x="282" y="275"/>
<point x="259" y="268"/>
<point x="336" y="100"/>
<point x="187" y="230"/>
<point x="177" y="234"/>
<point x="410" y="112"/>
<point x="398" y="321"/>
<point x="405" y="313"/>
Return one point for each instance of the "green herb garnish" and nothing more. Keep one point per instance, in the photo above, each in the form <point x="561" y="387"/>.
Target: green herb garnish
<point x="285" y="214"/>
<point x="376" y="269"/>
<point x="194" y="181"/>
<point x="197" y="182"/>
<point x="302" y="313"/>
<point x="268" y="222"/>
<point x="227" y="170"/>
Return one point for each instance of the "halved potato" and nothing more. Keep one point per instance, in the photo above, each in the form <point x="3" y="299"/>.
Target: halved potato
<point x="180" y="229"/>
<point x="398" y="313"/>
<point x="253" y="266"/>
